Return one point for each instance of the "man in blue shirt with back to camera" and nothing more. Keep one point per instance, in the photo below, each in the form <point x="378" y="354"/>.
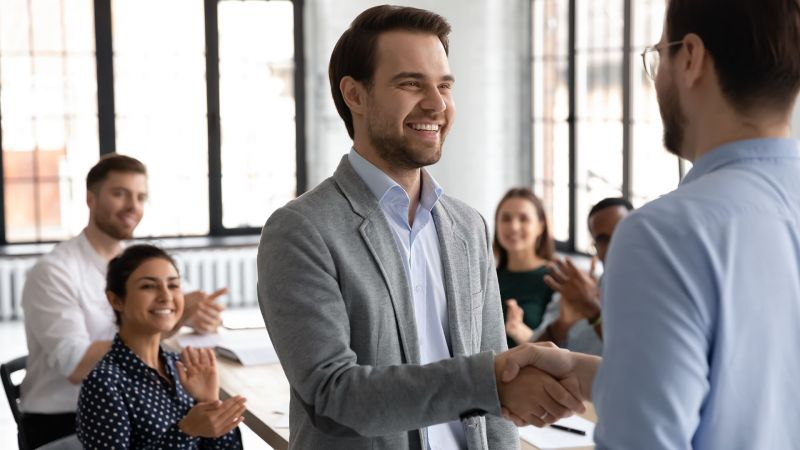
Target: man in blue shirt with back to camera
<point x="703" y="285"/>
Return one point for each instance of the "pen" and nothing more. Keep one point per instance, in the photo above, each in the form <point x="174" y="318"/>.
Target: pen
<point x="568" y="429"/>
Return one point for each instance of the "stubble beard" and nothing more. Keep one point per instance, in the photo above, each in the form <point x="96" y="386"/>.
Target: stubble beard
<point x="397" y="151"/>
<point x="673" y="119"/>
<point x="118" y="233"/>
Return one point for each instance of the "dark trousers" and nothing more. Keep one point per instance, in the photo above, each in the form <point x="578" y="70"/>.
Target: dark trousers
<point x="39" y="429"/>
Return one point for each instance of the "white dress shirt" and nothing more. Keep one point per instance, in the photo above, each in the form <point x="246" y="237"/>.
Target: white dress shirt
<point x="419" y="246"/>
<point x="65" y="310"/>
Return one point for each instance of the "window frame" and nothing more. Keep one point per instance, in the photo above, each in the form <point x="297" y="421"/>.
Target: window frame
<point x="569" y="246"/>
<point x="106" y="113"/>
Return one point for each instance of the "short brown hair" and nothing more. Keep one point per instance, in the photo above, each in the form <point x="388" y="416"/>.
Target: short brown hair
<point x="544" y="247"/>
<point x="354" y="53"/>
<point x="112" y="162"/>
<point x="755" y="46"/>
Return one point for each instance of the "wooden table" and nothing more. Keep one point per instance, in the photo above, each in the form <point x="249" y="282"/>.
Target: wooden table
<point x="267" y="391"/>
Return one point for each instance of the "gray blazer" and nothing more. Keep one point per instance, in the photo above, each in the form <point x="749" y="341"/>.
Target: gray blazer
<point x="339" y="310"/>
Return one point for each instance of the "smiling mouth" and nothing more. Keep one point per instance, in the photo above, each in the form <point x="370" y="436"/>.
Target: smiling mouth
<point x="429" y="127"/>
<point x="128" y="220"/>
<point x="163" y="311"/>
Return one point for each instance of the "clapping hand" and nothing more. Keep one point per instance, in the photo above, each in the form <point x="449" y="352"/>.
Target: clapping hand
<point x="213" y="419"/>
<point x="515" y="327"/>
<point x="579" y="290"/>
<point x="197" y="372"/>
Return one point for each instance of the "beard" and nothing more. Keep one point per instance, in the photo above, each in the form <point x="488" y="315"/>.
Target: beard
<point x="673" y="119"/>
<point x="396" y="149"/>
<point x="115" y="231"/>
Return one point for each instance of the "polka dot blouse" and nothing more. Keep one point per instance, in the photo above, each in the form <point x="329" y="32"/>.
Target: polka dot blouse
<point x="124" y="404"/>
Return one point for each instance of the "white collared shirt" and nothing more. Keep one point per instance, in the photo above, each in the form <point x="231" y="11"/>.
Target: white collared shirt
<point x="419" y="246"/>
<point x="65" y="310"/>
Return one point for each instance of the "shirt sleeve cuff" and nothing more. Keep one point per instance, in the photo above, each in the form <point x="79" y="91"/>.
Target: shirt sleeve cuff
<point x="67" y="355"/>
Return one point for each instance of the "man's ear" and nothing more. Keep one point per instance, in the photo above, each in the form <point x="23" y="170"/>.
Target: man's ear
<point x="354" y="94"/>
<point x="90" y="199"/>
<point x="697" y="62"/>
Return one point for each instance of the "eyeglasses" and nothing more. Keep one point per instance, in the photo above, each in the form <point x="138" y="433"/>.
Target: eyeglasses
<point x="651" y="57"/>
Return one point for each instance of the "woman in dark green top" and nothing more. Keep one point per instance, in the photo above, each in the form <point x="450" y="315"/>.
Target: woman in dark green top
<point x="523" y="247"/>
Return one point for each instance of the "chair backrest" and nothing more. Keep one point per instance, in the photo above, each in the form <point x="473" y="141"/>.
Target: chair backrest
<point x="70" y="442"/>
<point x="12" y="390"/>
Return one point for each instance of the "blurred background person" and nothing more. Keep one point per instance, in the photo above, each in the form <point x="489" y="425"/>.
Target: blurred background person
<point x="573" y="319"/>
<point x="523" y="248"/>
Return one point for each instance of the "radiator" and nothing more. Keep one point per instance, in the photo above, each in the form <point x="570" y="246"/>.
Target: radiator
<point x="207" y="270"/>
<point x="12" y="278"/>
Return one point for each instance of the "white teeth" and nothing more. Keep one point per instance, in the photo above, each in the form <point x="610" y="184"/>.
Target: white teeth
<point x="162" y="311"/>
<point x="425" y="126"/>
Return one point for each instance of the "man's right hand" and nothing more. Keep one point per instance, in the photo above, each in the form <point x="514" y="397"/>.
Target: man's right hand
<point x="532" y="396"/>
<point x="575" y="371"/>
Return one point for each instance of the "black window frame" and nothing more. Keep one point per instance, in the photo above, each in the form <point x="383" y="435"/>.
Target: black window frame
<point x="569" y="246"/>
<point x="106" y="113"/>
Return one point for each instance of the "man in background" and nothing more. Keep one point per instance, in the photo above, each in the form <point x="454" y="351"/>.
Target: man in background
<point x="68" y="321"/>
<point x="574" y="320"/>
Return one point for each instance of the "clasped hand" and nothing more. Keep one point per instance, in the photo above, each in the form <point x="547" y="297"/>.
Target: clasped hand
<point x="539" y="384"/>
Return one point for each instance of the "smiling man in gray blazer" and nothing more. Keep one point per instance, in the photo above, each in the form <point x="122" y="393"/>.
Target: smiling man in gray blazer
<point x="379" y="292"/>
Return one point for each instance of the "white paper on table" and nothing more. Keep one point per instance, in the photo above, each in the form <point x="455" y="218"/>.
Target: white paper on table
<point x="550" y="438"/>
<point x="242" y="319"/>
<point x="279" y="417"/>
<point x="198" y="340"/>
<point x="249" y="347"/>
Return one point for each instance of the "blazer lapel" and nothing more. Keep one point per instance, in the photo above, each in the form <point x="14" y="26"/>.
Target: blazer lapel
<point x="455" y="260"/>
<point x="379" y="240"/>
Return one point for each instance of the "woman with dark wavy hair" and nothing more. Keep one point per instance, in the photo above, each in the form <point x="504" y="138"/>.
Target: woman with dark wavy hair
<point x="140" y="396"/>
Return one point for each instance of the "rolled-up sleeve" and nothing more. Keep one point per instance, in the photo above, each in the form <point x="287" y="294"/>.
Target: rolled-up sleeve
<point x="54" y="316"/>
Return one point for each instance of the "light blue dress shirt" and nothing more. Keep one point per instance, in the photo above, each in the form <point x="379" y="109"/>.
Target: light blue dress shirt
<point x="701" y="313"/>
<point x="419" y="246"/>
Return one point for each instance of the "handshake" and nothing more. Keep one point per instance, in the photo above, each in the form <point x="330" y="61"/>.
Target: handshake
<point x="540" y="383"/>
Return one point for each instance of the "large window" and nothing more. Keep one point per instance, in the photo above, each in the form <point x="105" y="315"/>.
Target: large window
<point x="653" y="169"/>
<point x="257" y="109"/>
<point x="203" y="92"/>
<point x="48" y="116"/>
<point x="551" y="111"/>
<point x="160" y="102"/>
<point x="596" y="126"/>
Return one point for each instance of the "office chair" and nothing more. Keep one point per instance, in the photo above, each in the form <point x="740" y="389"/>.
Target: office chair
<point x="12" y="394"/>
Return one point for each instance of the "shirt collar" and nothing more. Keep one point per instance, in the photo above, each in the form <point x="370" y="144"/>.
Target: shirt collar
<point x="760" y="149"/>
<point x="86" y="247"/>
<point x="119" y="348"/>
<point x="381" y="184"/>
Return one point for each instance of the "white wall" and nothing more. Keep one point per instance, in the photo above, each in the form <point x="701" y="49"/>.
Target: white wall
<point x="487" y="52"/>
